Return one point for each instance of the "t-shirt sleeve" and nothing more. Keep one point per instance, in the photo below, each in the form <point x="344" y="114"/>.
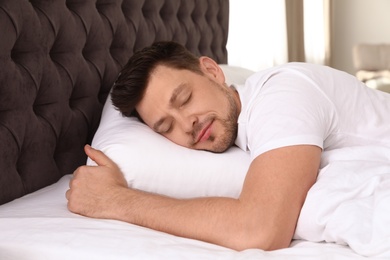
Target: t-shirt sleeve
<point x="291" y="110"/>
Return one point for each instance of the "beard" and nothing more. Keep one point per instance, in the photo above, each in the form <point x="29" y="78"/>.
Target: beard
<point x="229" y="124"/>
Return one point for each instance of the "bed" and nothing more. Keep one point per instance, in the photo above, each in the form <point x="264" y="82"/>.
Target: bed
<point x="59" y="60"/>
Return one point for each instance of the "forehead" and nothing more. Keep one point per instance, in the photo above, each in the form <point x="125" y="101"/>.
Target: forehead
<point x="161" y="75"/>
<point x="162" y="83"/>
<point x="164" y="80"/>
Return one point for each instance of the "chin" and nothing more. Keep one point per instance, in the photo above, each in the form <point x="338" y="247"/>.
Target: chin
<point x="220" y="147"/>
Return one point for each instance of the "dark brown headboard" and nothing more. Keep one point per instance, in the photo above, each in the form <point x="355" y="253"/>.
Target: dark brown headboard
<point x="58" y="61"/>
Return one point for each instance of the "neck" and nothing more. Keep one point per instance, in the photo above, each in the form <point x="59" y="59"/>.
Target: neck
<point x="236" y="97"/>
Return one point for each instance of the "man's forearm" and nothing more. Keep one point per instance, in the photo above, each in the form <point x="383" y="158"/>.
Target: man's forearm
<point x="220" y="221"/>
<point x="102" y="192"/>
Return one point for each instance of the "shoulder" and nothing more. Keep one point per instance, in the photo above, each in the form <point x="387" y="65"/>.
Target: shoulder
<point x="288" y="108"/>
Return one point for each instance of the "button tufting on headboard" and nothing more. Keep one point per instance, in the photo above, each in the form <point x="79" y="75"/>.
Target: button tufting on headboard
<point x="58" y="61"/>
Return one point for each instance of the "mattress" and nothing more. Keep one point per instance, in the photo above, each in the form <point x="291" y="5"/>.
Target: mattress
<point x="39" y="226"/>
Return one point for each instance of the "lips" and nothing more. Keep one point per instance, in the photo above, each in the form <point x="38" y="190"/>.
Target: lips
<point x="205" y="132"/>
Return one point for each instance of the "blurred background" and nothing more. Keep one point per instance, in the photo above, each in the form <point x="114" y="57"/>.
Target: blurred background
<point x="316" y="31"/>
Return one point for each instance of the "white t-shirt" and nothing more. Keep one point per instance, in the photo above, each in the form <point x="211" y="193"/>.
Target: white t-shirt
<point x="300" y="103"/>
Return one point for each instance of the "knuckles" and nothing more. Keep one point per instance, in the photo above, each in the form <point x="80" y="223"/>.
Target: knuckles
<point x="81" y="170"/>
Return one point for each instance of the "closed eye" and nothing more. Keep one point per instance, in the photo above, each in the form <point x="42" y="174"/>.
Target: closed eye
<point x="187" y="100"/>
<point x="163" y="125"/>
<point x="166" y="128"/>
<point x="170" y="128"/>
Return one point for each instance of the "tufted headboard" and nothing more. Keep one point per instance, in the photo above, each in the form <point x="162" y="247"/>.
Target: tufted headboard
<point x="58" y="61"/>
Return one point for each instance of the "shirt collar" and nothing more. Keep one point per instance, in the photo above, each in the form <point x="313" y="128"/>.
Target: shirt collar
<point x="241" y="140"/>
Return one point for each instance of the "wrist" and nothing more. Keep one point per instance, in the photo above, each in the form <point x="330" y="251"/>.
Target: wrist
<point x="119" y="204"/>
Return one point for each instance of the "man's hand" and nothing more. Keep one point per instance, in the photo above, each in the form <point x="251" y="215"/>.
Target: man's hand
<point x="93" y="187"/>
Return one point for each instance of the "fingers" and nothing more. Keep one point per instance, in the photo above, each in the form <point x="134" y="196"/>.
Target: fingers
<point x="98" y="156"/>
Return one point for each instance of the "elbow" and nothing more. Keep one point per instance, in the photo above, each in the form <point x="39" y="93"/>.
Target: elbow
<point x="266" y="245"/>
<point x="261" y="239"/>
<point x="272" y="244"/>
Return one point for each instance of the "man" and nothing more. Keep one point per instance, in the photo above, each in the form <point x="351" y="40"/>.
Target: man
<point x="285" y="116"/>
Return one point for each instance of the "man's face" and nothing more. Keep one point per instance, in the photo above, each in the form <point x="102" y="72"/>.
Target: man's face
<point x="192" y="110"/>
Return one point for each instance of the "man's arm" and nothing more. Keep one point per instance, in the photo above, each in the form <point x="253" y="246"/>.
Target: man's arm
<point x="264" y="216"/>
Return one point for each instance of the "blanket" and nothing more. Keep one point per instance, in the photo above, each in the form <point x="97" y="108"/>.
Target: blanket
<point x="350" y="202"/>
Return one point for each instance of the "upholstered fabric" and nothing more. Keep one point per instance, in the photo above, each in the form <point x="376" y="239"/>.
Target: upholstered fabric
<point x="58" y="60"/>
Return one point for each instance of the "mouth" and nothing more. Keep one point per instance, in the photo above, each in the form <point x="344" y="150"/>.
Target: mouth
<point x="205" y="132"/>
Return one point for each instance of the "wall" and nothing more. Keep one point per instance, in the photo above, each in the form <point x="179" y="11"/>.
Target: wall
<point x="357" y="21"/>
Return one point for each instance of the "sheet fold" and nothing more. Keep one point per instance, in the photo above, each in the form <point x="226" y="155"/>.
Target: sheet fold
<point x="350" y="202"/>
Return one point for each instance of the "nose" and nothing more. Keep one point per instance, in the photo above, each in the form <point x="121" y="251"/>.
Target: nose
<point x="187" y="122"/>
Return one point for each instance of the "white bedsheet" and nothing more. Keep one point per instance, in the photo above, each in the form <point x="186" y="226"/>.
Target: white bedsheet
<point x="349" y="204"/>
<point x="39" y="226"/>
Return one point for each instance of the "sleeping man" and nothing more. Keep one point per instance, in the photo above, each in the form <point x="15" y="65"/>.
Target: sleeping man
<point x="286" y="116"/>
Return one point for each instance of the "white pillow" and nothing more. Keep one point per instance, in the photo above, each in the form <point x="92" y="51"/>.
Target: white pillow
<point x="152" y="163"/>
<point x="234" y="74"/>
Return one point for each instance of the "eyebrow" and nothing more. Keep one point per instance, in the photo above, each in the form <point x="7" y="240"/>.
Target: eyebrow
<point x="176" y="92"/>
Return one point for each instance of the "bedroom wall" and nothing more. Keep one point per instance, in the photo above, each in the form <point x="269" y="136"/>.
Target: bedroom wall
<point x="357" y="21"/>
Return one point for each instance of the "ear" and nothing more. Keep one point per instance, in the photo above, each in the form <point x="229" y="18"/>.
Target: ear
<point x="211" y="69"/>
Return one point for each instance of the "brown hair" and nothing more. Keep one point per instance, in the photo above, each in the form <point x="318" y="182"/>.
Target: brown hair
<point x="130" y="86"/>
